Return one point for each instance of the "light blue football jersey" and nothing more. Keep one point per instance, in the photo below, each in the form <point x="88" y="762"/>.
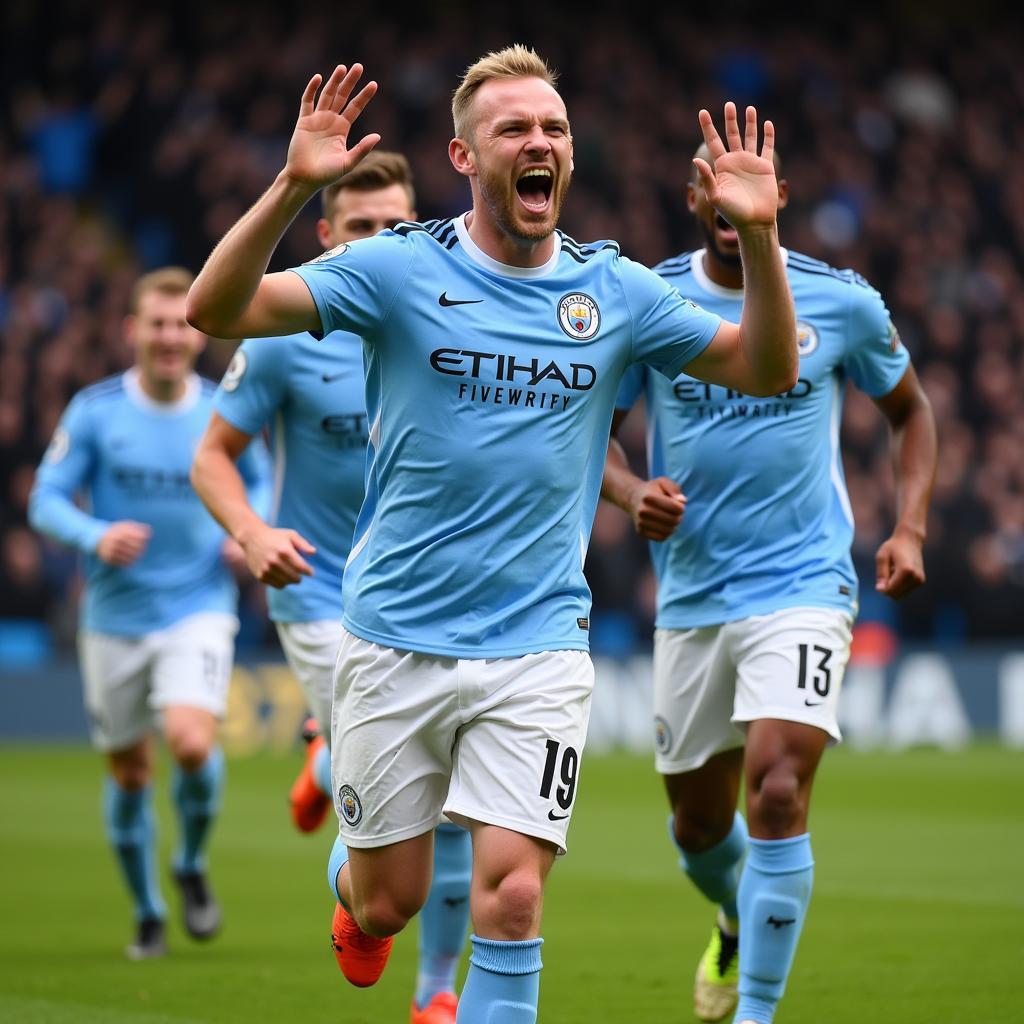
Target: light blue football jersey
<point x="128" y="457"/>
<point x="311" y="394"/>
<point x="768" y="522"/>
<point x="489" y="392"/>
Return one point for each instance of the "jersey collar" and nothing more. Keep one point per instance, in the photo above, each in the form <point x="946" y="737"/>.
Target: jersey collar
<point x="705" y="282"/>
<point x="139" y="397"/>
<point x="478" y="256"/>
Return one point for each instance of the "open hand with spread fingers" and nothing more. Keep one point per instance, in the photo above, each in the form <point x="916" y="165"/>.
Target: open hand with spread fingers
<point x="739" y="183"/>
<point x="318" y="153"/>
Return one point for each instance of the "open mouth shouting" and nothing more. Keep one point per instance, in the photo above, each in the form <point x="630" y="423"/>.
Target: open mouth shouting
<point x="534" y="188"/>
<point x="725" y="231"/>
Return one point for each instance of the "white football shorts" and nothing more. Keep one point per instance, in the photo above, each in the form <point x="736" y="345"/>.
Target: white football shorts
<point x="710" y="682"/>
<point x="494" y="740"/>
<point x="311" y="649"/>
<point x="128" y="680"/>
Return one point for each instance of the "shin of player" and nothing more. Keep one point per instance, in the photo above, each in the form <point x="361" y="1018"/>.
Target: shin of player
<point x="309" y="393"/>
<point x="494" y="345"/>
<point x="158" y="614"/>
<point x="757" y="594"/>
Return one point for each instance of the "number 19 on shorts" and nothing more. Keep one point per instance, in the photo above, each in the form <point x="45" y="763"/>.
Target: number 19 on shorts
<point x="565" y="762"/>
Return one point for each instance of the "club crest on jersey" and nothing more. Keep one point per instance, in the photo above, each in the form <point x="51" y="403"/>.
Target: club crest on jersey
<point x="579" y="316"/>
<point x="349" y="806"/>
<point x="894" y="338"/>
<point x="59" y="446"/>
<point x="662" y="735"/>
<point x="806" y="338"/>
<point x="235" y="372"/>
<point x="336" y="251"/>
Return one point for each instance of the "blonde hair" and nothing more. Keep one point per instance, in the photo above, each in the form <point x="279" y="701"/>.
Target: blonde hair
<point x="166" y="281"/>
<point x="379" y="169"/>
<point x="513" y="62"/>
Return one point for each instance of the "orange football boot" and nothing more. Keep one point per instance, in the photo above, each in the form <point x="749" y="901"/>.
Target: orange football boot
<point x="308" y="802"/>
<point x="361" y="957"/>
<point x="440" y="1010"/>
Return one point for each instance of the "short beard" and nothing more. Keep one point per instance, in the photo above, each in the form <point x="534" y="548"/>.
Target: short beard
<point x="730" y="259"/>
<point x="500" y="204"/>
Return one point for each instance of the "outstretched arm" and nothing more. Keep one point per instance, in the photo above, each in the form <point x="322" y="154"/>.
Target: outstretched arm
<point x="655" y="506"/>
<point x="274" y="556"/>
<point x="758" y="356"/>
<point x="233" y="296"/>
<point x="899" y="562"/>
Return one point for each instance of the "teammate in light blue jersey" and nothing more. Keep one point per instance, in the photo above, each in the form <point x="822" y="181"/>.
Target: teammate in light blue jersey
<point x="757" y="592"/>
<point x="310" y="393"/>
<point x="158" y="614"/>
<point x="493" y="347"/>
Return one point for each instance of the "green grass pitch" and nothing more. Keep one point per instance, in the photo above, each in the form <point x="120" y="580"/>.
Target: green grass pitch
<point x="917" y="916"/>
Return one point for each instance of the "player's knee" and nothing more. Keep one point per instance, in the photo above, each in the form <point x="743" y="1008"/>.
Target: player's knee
<point x="778" y="800"/>
<point x="189" y="748"/>
<point x="697" y="832"/>
<point x="513" y="904"/>
<point x="131" y="776"/>
<point x="384" y="914"/>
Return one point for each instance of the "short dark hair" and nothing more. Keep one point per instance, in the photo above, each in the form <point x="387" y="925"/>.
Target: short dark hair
<point x="377" y="170"/>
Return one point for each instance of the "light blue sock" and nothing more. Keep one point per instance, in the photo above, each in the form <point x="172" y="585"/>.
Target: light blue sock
<point x="774" y="893"/>
<point x="322" y="770"/>
<point x="444" y="919"/>
<point x="197" y="799"/>
<point x="338" y="857"/>
<point x="503" y="983"/>
<point x="716" y="872"/>
<point x="128" y="816"/>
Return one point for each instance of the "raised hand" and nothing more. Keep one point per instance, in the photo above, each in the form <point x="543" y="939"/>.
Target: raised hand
<point x="318" y="153"/>
<point x="741" y="186"/>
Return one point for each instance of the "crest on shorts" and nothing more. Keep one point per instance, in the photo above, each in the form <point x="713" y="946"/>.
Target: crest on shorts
<point x="336" y="251"/>
<point x="806" y="338"/>
<point x="236" y="371"/>
<point x="662" y="735"/>
<point x="579" y="316"/>
<point x="349" y="806"/>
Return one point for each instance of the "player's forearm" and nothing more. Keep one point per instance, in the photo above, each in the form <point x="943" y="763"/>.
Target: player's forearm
<point x="56" y="515"/>
<point x="221" y="488"/>
<point x="915" y="452"/>
<point x="225" y="287"/>
<point x="768" y="321"/>
<point x="619" y="482"/>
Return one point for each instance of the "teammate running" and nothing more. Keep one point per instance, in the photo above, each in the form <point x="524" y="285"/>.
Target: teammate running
<point x="757" y="593"/>
<point x="158" y="618"/>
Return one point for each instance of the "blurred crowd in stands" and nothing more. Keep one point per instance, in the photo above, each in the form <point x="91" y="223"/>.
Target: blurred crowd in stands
<point x="132" y="137"/>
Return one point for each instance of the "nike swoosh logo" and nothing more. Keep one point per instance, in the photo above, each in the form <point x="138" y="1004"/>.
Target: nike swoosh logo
<point x="443" y="300"/>
<point x="328" y="377"/>
<point x="813" y="703"/>
<point x="556" y="817"/>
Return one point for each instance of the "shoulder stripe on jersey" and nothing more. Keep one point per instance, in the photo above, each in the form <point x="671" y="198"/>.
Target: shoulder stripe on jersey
<point x="107" y="386"/>
<point x="582" y="253"/>
<point x="809" y="265"/>
<point x="442" y="231"/>
<point x="442" y="228"/>
<point x="407" y="227"/>
<point x="675" y="265"/>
